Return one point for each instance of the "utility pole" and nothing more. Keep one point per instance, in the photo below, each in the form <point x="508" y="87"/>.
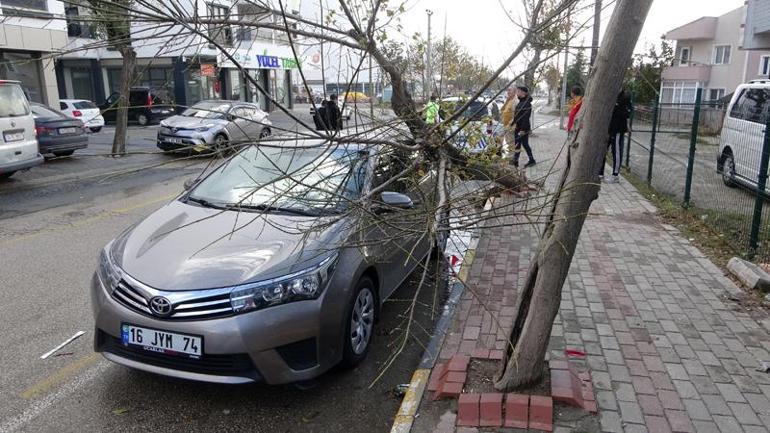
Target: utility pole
<point x="597" y="29"/>
<point x="323" y="67"/>
<point x="429" y="66"/>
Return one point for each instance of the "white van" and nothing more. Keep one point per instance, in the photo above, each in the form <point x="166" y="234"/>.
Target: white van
<point x="743" y="131"/>
<point x="18" y="146"/>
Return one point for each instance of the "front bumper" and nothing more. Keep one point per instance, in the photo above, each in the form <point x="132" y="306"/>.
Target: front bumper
<point x="193" y="141"/>
<point x="95" y="122"/>
<point x="276" y="345"/>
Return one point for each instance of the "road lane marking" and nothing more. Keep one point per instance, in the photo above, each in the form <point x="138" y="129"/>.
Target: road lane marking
<point x="66" y="342"/>
<point x="79" y="223"/>
<point x="15" y="423"/>
<point x="59" y="376"/>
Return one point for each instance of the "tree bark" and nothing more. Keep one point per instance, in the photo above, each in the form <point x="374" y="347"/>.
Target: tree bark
<point x="539" y="299"/>
<point x="529" y="76"/>
<point x="121" y="116"/>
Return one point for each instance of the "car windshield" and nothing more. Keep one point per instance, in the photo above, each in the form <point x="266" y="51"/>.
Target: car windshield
<point x="207" y="110"/>
<point x="476" y="111"/>
<point x="84" y="105"/>
<point x="311" y="180"/>
<point x="12" y="101"/>
<point x="44" y="112"/>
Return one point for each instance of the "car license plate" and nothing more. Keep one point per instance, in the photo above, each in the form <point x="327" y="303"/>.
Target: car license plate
<point x="174" y="140"/>
<point x="16" y="136"/>
<point x="156" y="340"/>
<point x="64" y="131"/>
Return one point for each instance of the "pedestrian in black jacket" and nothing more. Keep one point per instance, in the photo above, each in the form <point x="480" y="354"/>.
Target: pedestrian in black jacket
<point x="617" y="131"/>
<point x="523" y="121"/>
<point x="333" y="114"/>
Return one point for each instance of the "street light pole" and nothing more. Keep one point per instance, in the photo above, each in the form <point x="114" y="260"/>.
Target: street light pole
<point x="597" y="29"/>
<point x="428" y="63"/>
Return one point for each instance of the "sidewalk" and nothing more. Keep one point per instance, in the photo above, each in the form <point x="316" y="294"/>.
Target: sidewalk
<point x="666" y="349"/>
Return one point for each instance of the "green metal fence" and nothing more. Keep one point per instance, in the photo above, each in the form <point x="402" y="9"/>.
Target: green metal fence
<point x="686" y="152"/>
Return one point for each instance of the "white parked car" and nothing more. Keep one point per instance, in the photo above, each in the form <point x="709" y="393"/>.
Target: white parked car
<point x="84" y="110"/>
<point x="18" y="146"/>
<point x="482" y="130"/>
<point x="743" y="132"/>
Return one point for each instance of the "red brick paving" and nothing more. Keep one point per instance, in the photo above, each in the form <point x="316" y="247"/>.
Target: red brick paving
<point x="491" y="409"/>
<point x="516" y="411"/>
<point x="468" y="410"/>
<point x="541" y="413"/>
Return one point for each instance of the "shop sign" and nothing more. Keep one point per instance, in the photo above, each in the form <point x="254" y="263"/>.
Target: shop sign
<point x="208" y="70"/>
<point x="266" y="62"/>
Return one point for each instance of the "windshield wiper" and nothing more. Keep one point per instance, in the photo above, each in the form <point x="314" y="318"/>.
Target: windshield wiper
<point x="268" y="208"/>
<point x="204" y="203"/>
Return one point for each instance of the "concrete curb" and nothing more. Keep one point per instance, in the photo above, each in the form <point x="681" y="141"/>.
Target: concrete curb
<point x="413" y="396"/>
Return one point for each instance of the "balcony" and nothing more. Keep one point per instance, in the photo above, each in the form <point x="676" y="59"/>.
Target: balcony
<point x="701" y="29"/>
<point x="700" y="73"/>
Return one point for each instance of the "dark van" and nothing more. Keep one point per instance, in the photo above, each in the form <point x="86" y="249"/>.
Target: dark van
<point x="146" y="106"/>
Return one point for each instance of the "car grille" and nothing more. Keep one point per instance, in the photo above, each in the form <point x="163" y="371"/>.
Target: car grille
<point x="222" y="365"/>
<point x="189" y="305"/>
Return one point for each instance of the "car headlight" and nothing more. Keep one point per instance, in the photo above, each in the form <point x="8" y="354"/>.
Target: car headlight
<point x="299" y="286"/>
<point x="205" y="128"/>
<point x="107" y="271"/>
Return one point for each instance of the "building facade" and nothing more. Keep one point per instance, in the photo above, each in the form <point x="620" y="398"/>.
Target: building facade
<point x="185" y="66"/>
<point x="32" y="33"/>
<point x="709" y="55"/>
<point x="756" y="32"/>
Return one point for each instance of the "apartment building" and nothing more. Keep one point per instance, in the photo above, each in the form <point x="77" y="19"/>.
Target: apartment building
<point x="186" y="65"/>
<point x="756" y="32"/>
<point x="32" y="32"/>
<point x="709" y="54"/>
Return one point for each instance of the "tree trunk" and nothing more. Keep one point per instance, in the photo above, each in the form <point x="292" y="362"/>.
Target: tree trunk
<point x="539" y="299"/>
<point x="121" y="117"/>
<point x="529" y="75"/>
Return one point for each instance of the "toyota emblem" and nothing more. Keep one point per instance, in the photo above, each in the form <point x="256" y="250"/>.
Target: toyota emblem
<point x="160" y="306"/>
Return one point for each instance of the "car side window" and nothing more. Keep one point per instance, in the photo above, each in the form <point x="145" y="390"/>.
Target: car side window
<point x="62" y="105"/>
<point x="113" y="98"/>
<point x="389" y="166"/>
<point x="752" y="105"/>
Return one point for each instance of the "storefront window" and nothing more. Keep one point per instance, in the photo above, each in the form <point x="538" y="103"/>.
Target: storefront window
<point x="199" y="87"/>
<point x="82" y="87"/>
<point x="25" y="68"/>
<point x="280" y="86"/>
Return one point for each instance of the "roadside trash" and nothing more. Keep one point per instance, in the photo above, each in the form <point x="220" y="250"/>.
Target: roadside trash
<point x="64" y="354"/>
<point x="309" y="416"/>
<point x="59" y="347"/>
<point x="575" y="353"/>
<point x="764" y="367"/>
<point x="120" y="411"/>
<point x="401" y="389"/>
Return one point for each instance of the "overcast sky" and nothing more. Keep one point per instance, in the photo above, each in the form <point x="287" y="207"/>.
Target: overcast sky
<point x="486" y="31"/>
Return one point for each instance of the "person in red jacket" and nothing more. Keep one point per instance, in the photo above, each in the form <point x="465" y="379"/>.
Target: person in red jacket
<point x="576" y="102"/>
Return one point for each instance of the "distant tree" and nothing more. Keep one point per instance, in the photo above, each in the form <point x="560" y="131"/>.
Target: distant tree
<point x="113" y="23"/>
<point x="577" y="72"/>
<point x="552" y="78"/>
<point x="644" y="77"/>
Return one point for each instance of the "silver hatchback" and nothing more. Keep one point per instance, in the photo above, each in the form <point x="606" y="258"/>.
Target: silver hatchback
<point x="271" y="268"/>
<point x="214" y="126"/>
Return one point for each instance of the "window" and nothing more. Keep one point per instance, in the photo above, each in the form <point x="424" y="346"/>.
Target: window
<point x="722" y="54"/>
<point x="716" y="94"/>
<point x="764" y="66"/>
<point x="684" y="56"/>
<point x="752" y="105"/>
<point x="679" y="92"/>
<point x="39" y="5"/>
<point x="221" y="34"/>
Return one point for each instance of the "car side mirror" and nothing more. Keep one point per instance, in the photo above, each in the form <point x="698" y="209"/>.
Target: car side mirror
<point x="395" y="200"/>
<point x="190" y="183"/>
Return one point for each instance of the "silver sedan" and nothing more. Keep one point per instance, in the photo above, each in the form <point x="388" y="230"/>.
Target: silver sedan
<point x="214" y="126"/>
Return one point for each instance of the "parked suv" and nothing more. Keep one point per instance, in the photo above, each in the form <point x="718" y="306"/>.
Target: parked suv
<point x="18" y="148"/>
<point x="146" y="106"/>
<point x="743" y="130"/>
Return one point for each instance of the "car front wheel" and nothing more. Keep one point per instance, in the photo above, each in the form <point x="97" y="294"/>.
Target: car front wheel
<point x="359" y="324"/>
<point x="728" y="170"/>
<point x="64" y="153"/>
<point x="96" y="129"/>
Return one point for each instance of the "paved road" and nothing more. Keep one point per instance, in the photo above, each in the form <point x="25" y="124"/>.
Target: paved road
<point x="46" y="260"/>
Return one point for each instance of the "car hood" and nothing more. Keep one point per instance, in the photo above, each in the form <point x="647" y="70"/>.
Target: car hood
<point x="188" y="122"/>
<point x="187" y="247"/>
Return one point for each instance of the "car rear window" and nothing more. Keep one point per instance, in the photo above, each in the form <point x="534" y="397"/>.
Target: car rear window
<point x="13" y="103"/>
<point x="41" y="111"/>
<point x="84" y="105"/>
